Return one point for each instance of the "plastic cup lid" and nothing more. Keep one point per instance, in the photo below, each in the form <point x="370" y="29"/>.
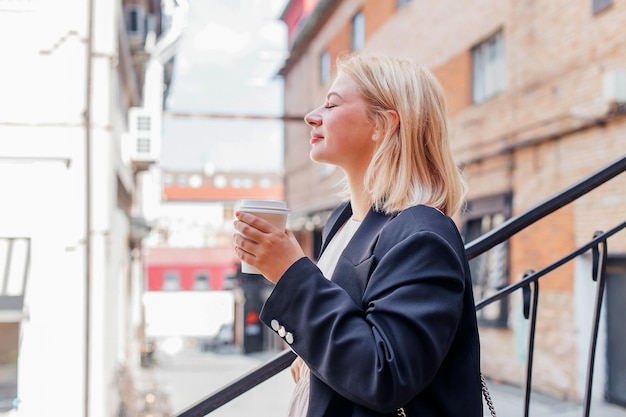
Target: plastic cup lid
<point x="273" y="205"/>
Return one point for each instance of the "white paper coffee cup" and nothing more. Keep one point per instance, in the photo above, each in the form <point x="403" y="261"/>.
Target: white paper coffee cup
<point x="275" y="212"/>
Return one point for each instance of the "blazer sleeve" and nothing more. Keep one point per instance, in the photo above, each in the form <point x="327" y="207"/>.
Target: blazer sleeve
<point x="386" y="351"/>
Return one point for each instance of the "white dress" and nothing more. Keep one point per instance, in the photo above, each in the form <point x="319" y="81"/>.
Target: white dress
<point x="300" y="398"/>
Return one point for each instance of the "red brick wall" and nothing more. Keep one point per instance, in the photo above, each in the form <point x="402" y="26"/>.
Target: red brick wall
<point x="455" y="76"/>
<point x="377" y="13"/>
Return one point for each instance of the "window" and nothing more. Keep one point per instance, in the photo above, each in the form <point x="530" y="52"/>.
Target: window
<point x="490" y="270"/>
<point x="182" y="180"/>
<point x="220" y="181"/>
<point x="195" y="181"/>
<point x="168" y="179"/>
<point x="324" y="67"/>
<point x="488" y="71"/>
<point x="358" y="31"/>
<point x="171" y="281"/>
<point x="242" y="182"/>
<point x="599" y="5"/>
<point x="265" y="182"/>
<point x="135" y="21"/>
<point x="202" y="281"/>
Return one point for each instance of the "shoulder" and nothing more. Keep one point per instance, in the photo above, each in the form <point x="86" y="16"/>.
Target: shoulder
<point x="422" y="220"/>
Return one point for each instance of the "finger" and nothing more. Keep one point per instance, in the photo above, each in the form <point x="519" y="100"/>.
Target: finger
<point x="255" y="221"/>
<point x="247" y="231"/>
<point x="244" y="256"/>
<point x="243" y="241"/>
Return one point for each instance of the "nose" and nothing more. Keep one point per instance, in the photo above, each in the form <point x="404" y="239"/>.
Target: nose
<point x="313" y="118"/>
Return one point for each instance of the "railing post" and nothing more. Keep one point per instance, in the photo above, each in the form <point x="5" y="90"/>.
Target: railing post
<point x="526" y="293"/>
<point x="598" y="275"/>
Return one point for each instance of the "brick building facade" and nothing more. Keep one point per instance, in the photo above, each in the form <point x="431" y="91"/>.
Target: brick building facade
<point x="535" y="105"/>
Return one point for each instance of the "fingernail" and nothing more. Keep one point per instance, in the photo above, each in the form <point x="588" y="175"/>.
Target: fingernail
<point x="237" y="213"/>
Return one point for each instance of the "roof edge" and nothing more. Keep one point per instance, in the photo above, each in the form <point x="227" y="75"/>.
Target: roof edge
<point x="313" y="24"/>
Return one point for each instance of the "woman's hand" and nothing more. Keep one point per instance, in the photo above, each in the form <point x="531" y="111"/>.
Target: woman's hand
<point x="262" y="245"/>
<point x="296" y="367"/>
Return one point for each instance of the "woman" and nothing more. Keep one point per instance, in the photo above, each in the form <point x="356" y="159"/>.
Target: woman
<point x="384" y="324"/>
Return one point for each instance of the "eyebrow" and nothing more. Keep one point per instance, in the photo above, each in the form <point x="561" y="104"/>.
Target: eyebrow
<point x="332" y="93"/>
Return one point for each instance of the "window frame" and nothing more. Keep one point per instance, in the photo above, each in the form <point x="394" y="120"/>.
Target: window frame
<point x="358" y="31"/>
<point x="168" y="279"/>
<point x="489" y="212"/>
<point x="488" y="68"/>
<point x="324" y="67"/>
<point x="136" y="13"/>
<point x="401" y="3"/>
<point x="207" y="280"/>
<point x="599" y="5"/>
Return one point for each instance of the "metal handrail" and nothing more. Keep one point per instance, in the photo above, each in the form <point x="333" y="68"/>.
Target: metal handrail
<point x="478" y="246"/>
<point x="544" y="208"/>
<point x="532" y="277"/>
<point x="597" y="239"/>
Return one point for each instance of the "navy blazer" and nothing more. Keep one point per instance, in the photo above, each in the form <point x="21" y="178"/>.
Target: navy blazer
<point x="394" y="327"/>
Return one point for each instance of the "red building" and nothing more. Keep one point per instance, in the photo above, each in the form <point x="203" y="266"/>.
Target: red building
<point x="189" y="269"/>
<point x="223" y="187"/>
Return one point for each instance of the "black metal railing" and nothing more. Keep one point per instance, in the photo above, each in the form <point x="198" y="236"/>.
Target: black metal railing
<point x="598" y="246"/>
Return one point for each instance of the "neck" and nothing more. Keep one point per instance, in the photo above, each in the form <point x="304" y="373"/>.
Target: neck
<point x="359" y="199"/>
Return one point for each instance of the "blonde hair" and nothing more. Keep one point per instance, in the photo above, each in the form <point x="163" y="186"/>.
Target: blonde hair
<point x="413" y="163"/>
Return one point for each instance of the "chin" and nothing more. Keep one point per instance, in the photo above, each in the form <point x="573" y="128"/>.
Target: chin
<point x="315" y="157"/>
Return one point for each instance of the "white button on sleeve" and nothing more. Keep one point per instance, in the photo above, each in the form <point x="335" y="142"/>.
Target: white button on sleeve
<point x="282" y="331"/>
<point x="275" y="325"/>
<point x="289" y="337"/>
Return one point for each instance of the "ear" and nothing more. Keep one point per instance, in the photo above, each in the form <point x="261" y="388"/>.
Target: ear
<point x="388" y="121"/>
<point x="392" y="120"/>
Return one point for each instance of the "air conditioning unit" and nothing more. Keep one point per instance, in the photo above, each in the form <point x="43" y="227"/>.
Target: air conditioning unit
<point x="144" y="136"/>
<point x="614" y="87"/>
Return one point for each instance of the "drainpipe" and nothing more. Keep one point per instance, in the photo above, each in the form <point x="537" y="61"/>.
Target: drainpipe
<point x="87" y="121"/>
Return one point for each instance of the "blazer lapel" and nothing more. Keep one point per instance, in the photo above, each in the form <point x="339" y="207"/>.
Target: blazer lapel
<point x="355" y="263"/>
<point x="337" y="218"/>
<point x="360" y="247"/>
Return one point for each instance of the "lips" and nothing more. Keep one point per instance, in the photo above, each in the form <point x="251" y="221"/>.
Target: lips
<point x="316" y="138"/>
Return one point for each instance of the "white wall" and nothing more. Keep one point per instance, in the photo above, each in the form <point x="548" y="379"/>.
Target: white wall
<point x="42" y="181"/>
<point x="52" y="347"/>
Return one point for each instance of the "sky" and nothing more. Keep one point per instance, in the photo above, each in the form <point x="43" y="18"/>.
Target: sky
<point x="227" y="64"/>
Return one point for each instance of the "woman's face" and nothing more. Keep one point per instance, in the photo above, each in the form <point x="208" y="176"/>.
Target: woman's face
<point x="341" y="135"/>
